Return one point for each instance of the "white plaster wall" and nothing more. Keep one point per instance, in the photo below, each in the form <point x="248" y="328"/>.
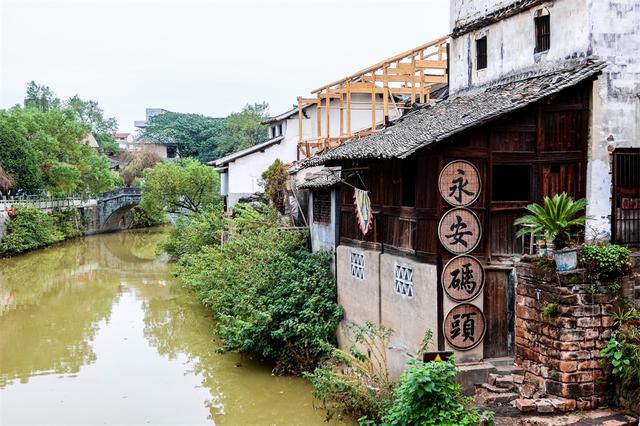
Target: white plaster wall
<point x="245" y="172"/>
<point x="323" y="235"/>
<point x="511" y="44"/>
<point x="409" y="317"/>
<point x="464" y="11"/>
<point x="615" y="121"/>
<point x="359" y="298"/>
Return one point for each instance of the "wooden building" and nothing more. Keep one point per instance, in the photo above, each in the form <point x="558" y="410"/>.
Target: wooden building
<point x="537" y="92"/>
<point x="526" y="137"/>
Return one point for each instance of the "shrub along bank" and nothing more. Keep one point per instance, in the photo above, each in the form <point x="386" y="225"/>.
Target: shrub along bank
<point x="271" y="297"/>
<point x="29" y="228"/>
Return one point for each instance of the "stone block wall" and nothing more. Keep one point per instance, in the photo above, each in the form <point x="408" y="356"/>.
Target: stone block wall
<point x="561" y="353"/>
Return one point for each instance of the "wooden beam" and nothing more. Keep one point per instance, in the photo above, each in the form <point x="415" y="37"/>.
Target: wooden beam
<point x="299" y="121"/>
<point x="407" y="78"/>
<point x="437" y="43"/>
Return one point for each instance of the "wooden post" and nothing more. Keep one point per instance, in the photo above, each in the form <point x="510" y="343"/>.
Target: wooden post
<point x="373" y="106"/>
<point x="328" y="117"/>
<point x="349" y="107"/>
<point x="299" y="126"/>
<point x="341" y="114"/>
<point x="385" y="95"/>
<point x="319" y="117"/>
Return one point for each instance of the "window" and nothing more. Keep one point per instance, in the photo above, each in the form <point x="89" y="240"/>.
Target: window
<point x="322" y="206"/>
<point x="543" y="31"/>
<point x="511" y="183"/>
<point x="357" y="265"/>
<point x="172" y="151"/>
<point x="409" y="183"/>
<point x="403" y="280"/>
<point x="481" y="53"/>
<point x="279" y="129"/>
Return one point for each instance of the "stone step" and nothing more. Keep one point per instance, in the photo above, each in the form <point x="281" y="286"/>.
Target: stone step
<point x="500" y="398"/>
<point x="502" y="361"/>
<point x="507" y="370"/>
<point x="494" y="389"/>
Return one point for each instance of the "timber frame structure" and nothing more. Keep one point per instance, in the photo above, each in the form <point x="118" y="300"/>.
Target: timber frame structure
<point x="411" y="74"/>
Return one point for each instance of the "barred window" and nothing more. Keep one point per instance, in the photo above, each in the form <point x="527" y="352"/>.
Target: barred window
<point x="481" y="53"/>
<point x="357" y="265"/>
<point x="403" y="280"/>
<point x="322" y="206"/>
<point x="543" y="33"/>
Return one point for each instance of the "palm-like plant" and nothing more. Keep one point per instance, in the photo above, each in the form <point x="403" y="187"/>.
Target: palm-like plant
<point x="554" y="220"/>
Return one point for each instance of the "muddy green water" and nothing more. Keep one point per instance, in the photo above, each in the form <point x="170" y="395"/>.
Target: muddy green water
<point x="96" y="331"/>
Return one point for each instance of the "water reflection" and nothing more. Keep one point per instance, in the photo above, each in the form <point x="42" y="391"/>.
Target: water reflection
<point x="97" y="331"/>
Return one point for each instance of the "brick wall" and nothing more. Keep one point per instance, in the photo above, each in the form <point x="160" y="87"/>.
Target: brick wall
<point x="561" y="354"/>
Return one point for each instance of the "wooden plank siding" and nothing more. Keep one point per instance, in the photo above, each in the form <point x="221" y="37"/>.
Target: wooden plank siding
<point x="544" y="144"/>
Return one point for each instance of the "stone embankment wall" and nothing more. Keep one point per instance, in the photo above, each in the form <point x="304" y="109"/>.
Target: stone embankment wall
<point x="560" y="352"/>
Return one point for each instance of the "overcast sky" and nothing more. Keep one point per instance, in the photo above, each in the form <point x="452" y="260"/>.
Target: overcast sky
<point x="202" y="56"/>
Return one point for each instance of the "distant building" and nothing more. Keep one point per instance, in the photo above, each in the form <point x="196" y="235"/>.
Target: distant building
<point x="149" y="113"/>
<point x="90" y="141"/>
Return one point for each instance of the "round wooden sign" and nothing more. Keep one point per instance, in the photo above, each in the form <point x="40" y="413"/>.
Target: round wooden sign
<point x="459" y="183"/>
<point x="459" y="231"/>
<point x="463" y="278"/>
<point x="464" y="326"/>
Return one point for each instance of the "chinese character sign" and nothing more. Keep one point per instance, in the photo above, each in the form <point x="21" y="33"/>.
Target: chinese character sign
<point x="463" y="278"/>
<point x="459" y="183"/>
<point x="464" y="326"/>
<point x="459" y="231"/>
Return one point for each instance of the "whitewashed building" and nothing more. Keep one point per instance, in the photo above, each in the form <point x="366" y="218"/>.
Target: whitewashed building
<point x="514" y="36"/>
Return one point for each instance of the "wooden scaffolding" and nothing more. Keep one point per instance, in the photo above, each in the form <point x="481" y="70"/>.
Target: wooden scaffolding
<point x="409" y="76"/>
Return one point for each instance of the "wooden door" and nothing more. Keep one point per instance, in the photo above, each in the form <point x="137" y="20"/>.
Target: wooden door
<point x="499" y="310"/>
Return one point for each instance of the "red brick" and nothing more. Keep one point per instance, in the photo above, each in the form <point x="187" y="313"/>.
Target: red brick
<point x="589" y="322"/>
<point x="525" y="405"/>
<point x="607" y="321"/>
<point x="568" y="366"/>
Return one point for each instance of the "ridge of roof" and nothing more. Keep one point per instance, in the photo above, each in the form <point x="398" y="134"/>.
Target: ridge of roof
<point x="234" y="156"/>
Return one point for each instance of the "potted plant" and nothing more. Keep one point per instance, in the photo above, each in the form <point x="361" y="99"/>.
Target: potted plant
<point x="555" y="221"/>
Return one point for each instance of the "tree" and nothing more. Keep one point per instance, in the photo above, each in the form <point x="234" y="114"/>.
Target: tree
<point x="187" y="131"/>
<point x="17" y="155"/>
<point x="40" y="97"/>
<point x="274" y="180"/>
<point x="136" y="163"/>
<point x="185" y="187"/>
<point x="239" y="131"/>
<point x="42" y="150"/>
<point x="208" y="138"/>
<point x="7" y="181"/>
<point x="102" y="127"/>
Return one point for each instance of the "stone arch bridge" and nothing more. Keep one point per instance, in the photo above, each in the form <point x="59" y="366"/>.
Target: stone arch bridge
<point x="114" y="208"/>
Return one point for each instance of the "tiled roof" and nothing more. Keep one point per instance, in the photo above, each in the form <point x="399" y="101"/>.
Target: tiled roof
<point x="325" y="178"/>
<point x="462" y="111"/>
<point x="497" y="15"/>
<point x="232" y="157"/>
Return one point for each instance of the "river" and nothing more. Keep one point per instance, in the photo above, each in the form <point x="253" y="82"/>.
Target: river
<point x="97" y="331"/>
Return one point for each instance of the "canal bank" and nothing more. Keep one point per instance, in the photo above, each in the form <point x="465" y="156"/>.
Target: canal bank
<point x="96" y="330"/>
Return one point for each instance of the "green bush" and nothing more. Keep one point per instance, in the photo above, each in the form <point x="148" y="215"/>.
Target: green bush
<point x="606" y="261"/>
<point x="67" y="221"/>
<point x="142" y="218"/>
<point x="429" y="395"/>
<point x="194" y="232"/>
<point x="29" y="228"/>
<point x="270" y="296"/>
<point x="357" y="383"/>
